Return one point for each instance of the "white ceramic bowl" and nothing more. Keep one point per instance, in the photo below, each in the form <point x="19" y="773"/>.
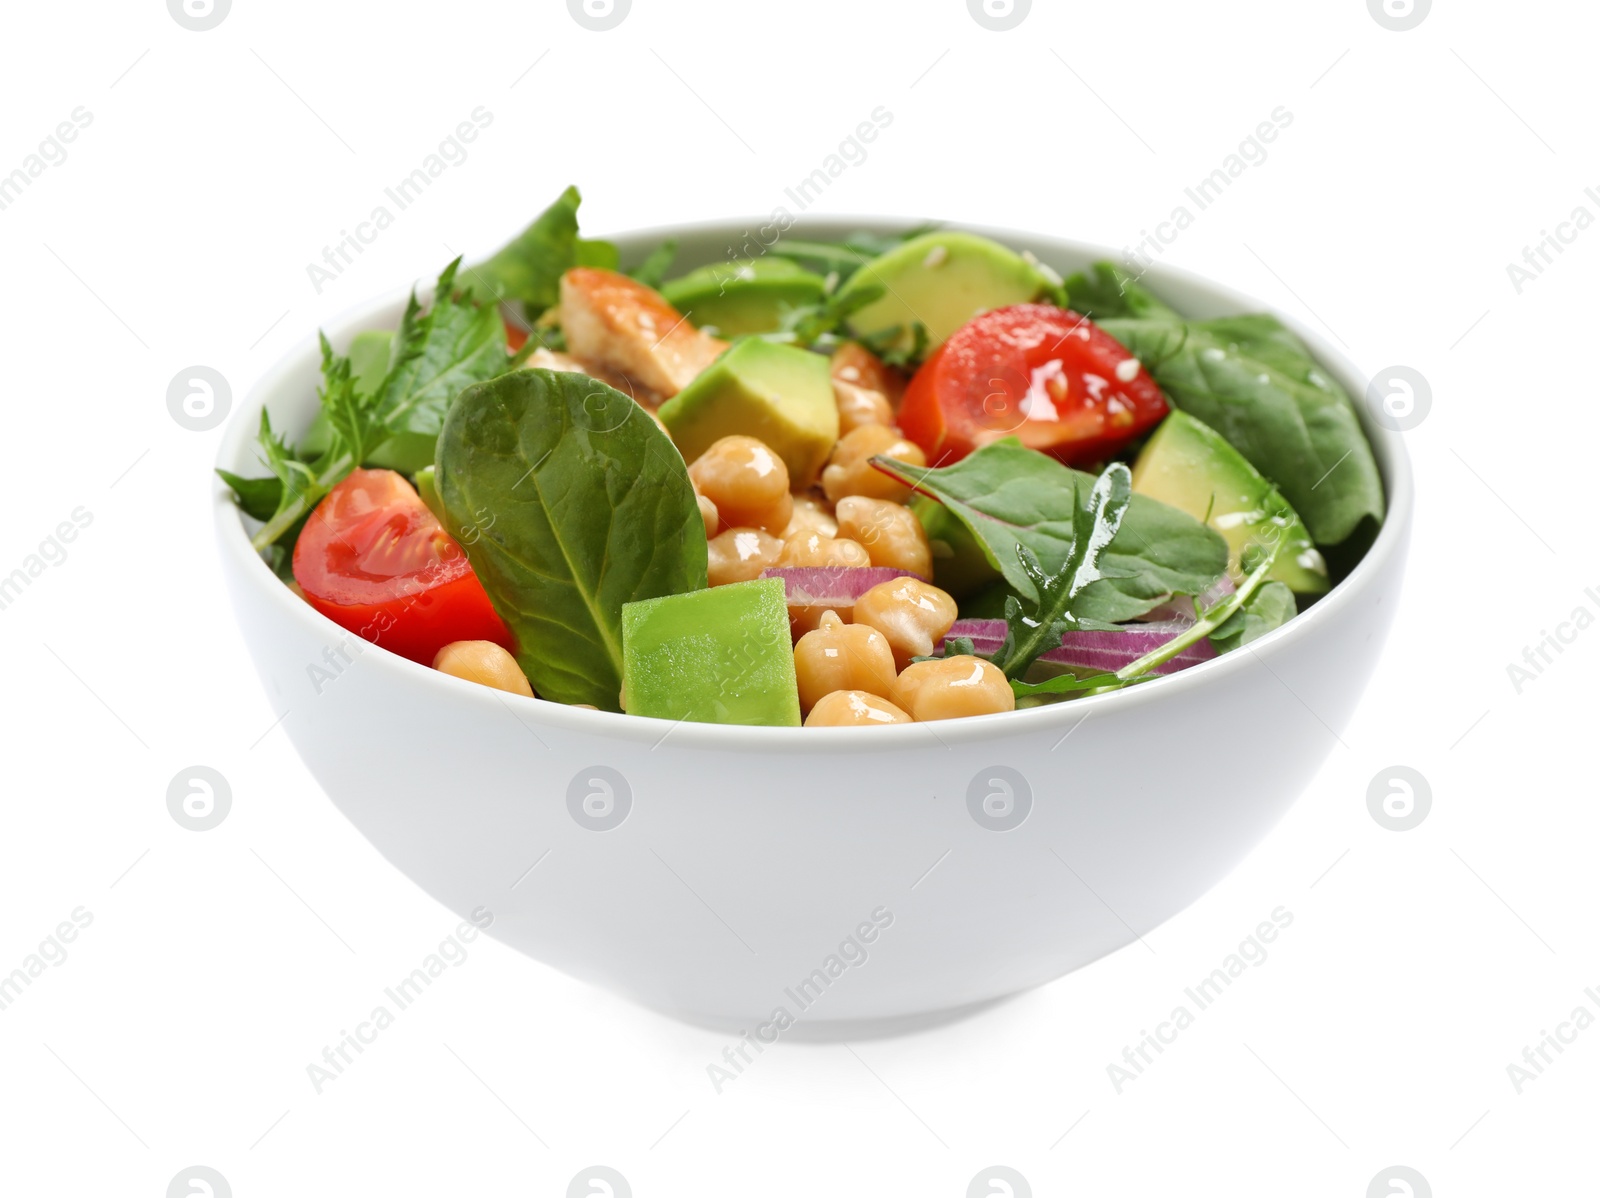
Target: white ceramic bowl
<point x="836" y="875"/>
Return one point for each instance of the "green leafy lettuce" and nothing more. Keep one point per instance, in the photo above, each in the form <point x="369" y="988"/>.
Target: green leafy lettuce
<point x="1011" y="497"/>
<point x="1252" y="380"/>
<point x="435" y="354"/>
<point x="1094" y="527"/>
<point x="570" y="502"/>
<point x="1270" y="607"/>
<point x="528" y="270"/>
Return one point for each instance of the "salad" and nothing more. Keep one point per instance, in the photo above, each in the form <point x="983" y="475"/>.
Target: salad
<point x="857" y="483"/>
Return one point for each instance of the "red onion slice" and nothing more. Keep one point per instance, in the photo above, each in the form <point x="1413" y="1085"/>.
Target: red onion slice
<point x="812" y="590"/>
<point x="1107" y="651"/>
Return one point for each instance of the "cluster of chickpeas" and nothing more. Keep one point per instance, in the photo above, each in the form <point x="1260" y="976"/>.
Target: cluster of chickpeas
<point x="854" y="668"/>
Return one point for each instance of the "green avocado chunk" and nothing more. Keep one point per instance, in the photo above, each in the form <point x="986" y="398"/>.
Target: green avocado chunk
<point x="776" y="393"/>
<point x="1189" y="466"/>
<point x="943" y="280"/>
<point x="736" y="298"/>
<point x="720" y="656"/>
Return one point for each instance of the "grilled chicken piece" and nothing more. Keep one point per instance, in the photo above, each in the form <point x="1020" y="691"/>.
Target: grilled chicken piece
<point x="626" y="328"/>
<point x="550" y="359"/>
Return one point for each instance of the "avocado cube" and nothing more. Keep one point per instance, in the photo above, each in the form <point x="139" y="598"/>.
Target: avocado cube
<point x="721" y="656"/>
<point x="736" y="298"/>
<point x="778" y="394"/>
<point x="941" y="280"/>
<point x="1190" y="466"/>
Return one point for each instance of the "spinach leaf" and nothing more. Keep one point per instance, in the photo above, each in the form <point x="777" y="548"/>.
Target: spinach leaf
<point x="529" y="269"/>
<point x="570" y="501"/>
<point x="1270" y="607"/>
<point x="436" y="354"/>
<point x="1251" y="380"/>
<point x="1106" y="290"/>
<point x="1008" y="495"/>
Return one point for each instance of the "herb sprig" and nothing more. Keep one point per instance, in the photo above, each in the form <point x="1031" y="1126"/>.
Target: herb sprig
<point x="436" y="354"/>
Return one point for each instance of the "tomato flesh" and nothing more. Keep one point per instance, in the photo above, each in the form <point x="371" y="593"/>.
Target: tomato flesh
<point x="376" y="561"/>
<point x="1037" y="372"/>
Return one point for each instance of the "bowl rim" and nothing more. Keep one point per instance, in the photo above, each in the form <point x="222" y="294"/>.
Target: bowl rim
<point x="1393" y="462"/>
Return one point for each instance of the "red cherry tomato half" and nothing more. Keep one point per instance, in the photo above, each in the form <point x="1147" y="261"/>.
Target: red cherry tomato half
<point x="1033" y="371"/>
<point x="376" y="561"/>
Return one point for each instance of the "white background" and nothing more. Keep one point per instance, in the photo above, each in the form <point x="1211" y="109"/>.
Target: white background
<point x="178" y="230"/>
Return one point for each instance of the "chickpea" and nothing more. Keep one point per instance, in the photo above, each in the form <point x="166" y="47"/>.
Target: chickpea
<point x="850" y="473"/>
<point x="747" y="481"/>
<point x="860" y="405"/>
<point x="854" y="709"/>
<point x="484" y="662"/>
<point x="889" y="532"/>
<point x="838" y="656"/>
<point x="740" y="554"/>
<point x="814" y="549"/>
<point x="810" y="516"/>
<point x="708" y="513"/>
<point x="952" y="687"/>
<point x="912" y="615"/>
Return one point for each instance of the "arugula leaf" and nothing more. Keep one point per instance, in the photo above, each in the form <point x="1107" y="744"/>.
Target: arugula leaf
<point x="1251" y="380"/>
<point x="1072" y="684"/>
<point x="356" y="422"/>
<point x="653" y="270"/>
<point x="806" y="325"/>
<point x="1008" y="495"/>
<point x="436" y="354"/>
<point x="529" y="268"/>
<point x="570" y="502"/>
<point x="256" y="497"/>
<point x="886" y="344"/>
<point x="1093" y="527"/>
<point x="1105" y="290"/>
<point x="1211" y="619"/>
<point x="1273" y="605"/>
